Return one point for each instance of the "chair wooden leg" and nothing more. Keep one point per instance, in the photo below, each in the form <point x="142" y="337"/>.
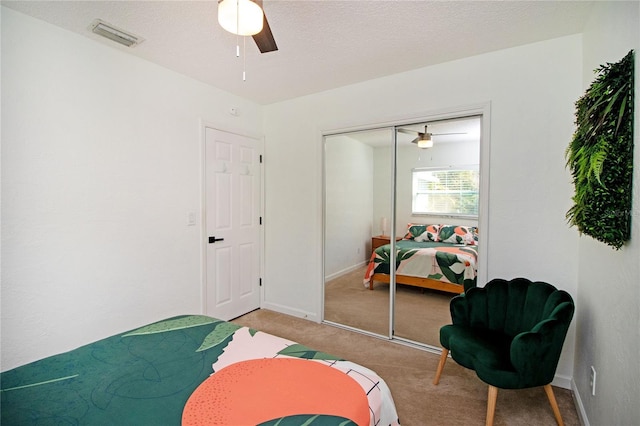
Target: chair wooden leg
<point x="443" y="359"/>
<point x="554" y="404"/>
<point x="491" y="404"/>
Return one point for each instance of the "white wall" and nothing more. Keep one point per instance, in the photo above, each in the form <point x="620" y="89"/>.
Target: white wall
<point x="407" y="158"/>
<point x="382" y="184"/>
<point x="462" y="153"/>
<point x="349" y="192"/>
<point x="531" y="89"/>
<point x="101" y="159"/>
<point x="608" y="303"/>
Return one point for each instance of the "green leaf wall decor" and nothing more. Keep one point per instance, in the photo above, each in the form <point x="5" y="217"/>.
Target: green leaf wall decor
<point x="600" y="155"/>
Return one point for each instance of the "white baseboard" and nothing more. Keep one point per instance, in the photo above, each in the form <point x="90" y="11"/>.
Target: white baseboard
<point x="346" y="271"/>
<point x="290" y="311"/>
<point x="582" y="414"/>
<point x="562" y="381"/>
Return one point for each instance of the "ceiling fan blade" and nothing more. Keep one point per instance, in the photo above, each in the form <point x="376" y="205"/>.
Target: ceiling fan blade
<point x="442" y="134"/>
<point x="416" y="140"/>
<point x="264" y="39"/>
<point x="407" y="131"/>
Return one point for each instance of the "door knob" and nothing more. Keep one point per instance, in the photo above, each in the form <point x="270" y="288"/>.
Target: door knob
<point x="214" y="239"/>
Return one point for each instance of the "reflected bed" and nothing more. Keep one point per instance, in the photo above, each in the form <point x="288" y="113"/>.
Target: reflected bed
<point x="439" y="257"/>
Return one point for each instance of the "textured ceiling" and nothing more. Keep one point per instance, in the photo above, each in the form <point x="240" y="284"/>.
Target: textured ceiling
<point x="322" y="44"/>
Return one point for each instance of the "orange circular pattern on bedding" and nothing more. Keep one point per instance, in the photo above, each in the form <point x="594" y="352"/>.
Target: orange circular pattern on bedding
<point x="255" y="391"/>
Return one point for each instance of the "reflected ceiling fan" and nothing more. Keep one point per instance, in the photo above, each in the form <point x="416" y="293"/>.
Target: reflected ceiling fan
<point x="244" y="18"/>
<point x="425" y="140"/>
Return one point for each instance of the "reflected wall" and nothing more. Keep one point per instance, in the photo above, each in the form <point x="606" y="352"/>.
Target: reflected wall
<point x="357" y="195"/>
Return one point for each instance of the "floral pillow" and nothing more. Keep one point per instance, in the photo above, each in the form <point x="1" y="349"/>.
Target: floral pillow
<point x="419" y="232"/>
<point x="458" y="234"/>
<point x="413" y="230"/>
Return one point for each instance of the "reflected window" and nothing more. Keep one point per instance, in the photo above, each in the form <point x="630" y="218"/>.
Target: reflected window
<point x="446" y="191"/>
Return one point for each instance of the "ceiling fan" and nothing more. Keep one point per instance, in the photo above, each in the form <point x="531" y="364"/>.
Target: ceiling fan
<point x="424" y="140"/>
<point x="264" y="39"/>
<point x="246" y="17"/>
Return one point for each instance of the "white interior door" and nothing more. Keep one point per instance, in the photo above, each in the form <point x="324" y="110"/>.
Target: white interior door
<point x="232" y="197"/>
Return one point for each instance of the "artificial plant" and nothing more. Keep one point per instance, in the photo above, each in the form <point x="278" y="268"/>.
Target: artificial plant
<point x="600" y="155"/>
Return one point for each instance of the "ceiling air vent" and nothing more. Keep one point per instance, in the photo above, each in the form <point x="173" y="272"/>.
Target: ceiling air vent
<point x="107" y="30"/>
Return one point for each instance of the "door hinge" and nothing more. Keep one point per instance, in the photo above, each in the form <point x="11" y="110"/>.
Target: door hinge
<point x="260" y="281"/>
<point x="260" y="220"/>
<point x="260" y="158"/>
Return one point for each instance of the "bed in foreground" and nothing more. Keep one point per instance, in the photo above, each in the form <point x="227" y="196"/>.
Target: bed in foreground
<point x="194" y="370"/>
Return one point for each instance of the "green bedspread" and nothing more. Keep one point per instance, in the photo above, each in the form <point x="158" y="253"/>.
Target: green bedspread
<point x="144" y="377"/>
<point x="450" y="263"/>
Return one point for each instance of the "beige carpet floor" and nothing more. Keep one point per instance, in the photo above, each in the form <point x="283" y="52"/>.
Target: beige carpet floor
<point x="459" y="399"/>
<point x="419" y="313"/>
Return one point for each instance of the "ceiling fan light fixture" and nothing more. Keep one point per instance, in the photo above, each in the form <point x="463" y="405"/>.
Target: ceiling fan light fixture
<point x="425" y="141"/>
<point x="241" y="17"/>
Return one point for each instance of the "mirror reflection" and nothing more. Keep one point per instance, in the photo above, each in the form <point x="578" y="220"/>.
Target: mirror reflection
<point x="358" y="182"/>
<point x="436" y="193"/>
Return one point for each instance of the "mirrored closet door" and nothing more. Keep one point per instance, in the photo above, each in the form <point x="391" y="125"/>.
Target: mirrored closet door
<point x="377" y="183"/>
<point x="437" y="183"/>
<point x="358" y="191"/>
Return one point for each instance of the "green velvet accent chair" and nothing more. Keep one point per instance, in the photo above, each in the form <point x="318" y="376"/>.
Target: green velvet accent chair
<point x="510" y="333"/>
